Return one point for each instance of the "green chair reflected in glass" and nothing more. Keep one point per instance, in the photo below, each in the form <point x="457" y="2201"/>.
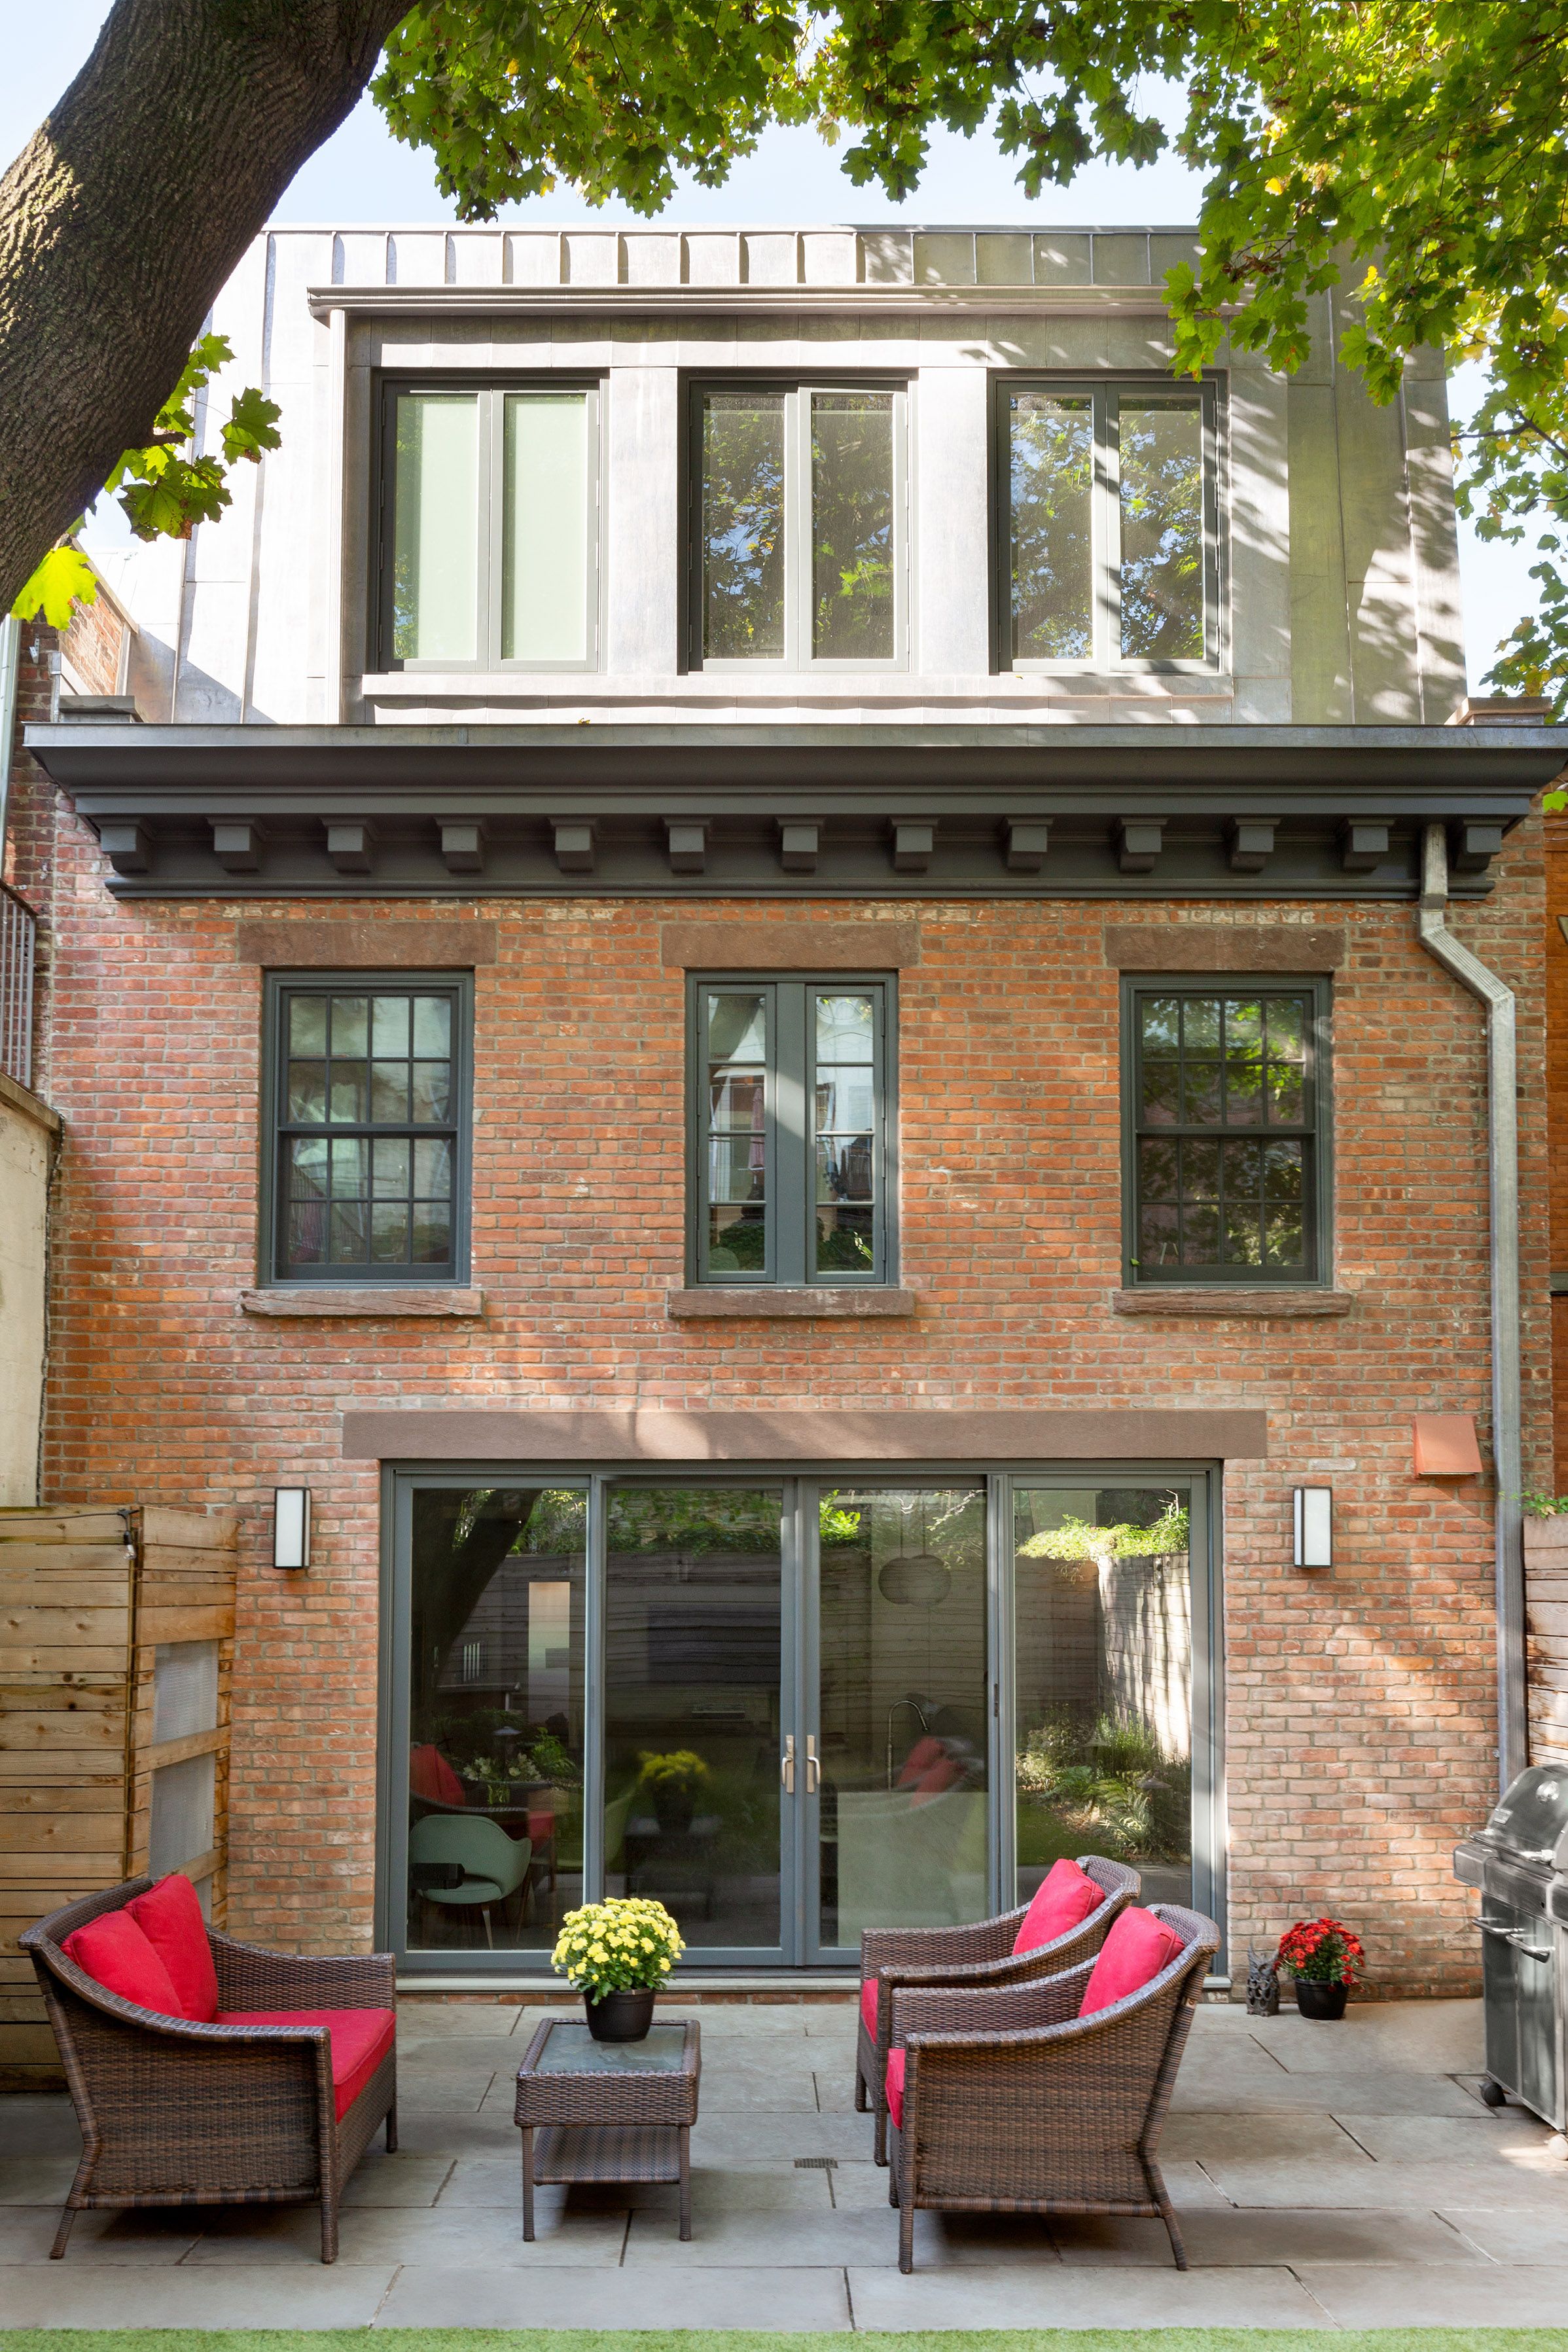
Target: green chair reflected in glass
<point x="493" y="1865"/>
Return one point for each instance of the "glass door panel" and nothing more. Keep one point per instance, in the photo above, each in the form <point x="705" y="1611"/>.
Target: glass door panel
<point x="903" y="1709"/>
<point x="496" y="1715"/>
<point x="1103" y="1688"/>
<point x="694" y="1619"/>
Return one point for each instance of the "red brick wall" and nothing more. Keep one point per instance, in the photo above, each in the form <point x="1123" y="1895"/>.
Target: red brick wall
<point x="1360" y="1703"/>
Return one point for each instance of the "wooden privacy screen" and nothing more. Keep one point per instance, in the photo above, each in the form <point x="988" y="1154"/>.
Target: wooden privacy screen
<point x="116" y="1638"/>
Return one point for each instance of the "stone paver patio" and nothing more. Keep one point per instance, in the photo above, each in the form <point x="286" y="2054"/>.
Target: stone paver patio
<point x="1328" y="2175"/>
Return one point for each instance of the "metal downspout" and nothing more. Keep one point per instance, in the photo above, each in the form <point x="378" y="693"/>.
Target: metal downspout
<point x="1502" y="1155"/>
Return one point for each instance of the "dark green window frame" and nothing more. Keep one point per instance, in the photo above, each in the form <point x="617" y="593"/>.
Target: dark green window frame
<point x="278" y="1269"/>
<point x="1234" y="1181"/>
<point x="793" y="1247"/>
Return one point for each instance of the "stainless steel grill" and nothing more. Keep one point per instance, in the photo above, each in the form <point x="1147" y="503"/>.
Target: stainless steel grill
<point x="1520" y="1862"/>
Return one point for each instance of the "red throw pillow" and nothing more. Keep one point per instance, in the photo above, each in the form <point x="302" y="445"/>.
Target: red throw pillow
<point x="896" y="2088"/>
<point x="1063" y="1900"/>
<point x="114" y="1952"/>
<point x="941" y="1775"/>
<point x="868" y="1991"/>
<point x="919" y="1760"/>
<point x="1138" y="1947"/>
<point x="360" y="2039"/>
<point x="169" y="1916"/>
<point x="431" y="1777"/>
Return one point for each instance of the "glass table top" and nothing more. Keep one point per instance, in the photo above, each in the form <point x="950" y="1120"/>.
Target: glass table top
<point x="571" y="2049"/>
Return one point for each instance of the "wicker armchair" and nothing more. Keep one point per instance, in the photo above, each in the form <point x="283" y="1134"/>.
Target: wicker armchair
<point x="972" y="1956"/>
<point x="174" y="2113"/>
<point x="1014" y="2103"/>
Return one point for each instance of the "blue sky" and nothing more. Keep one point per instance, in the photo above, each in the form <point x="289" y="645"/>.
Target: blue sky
<point x="362" y="174"/>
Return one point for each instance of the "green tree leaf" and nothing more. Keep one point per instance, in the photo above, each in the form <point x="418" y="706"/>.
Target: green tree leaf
<point x="64" y="578"/>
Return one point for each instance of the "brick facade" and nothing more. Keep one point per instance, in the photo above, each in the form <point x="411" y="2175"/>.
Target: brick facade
<point x="1360" y="1703"/>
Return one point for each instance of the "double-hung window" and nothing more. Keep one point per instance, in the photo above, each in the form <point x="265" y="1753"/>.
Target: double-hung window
<point x="489" y="527"/>
<point x="367" y="1084"/>
<point x="791" y="1122"/>
<point x="800" y="525"/>
<point x="1226" y="1103"/>
<point x="1110" y="542"/>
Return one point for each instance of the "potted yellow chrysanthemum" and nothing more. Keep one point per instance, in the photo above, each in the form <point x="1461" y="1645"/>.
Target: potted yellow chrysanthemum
<point x="617" y="1954"/>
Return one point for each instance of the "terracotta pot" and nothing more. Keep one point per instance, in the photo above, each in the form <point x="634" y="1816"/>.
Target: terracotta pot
<point x="1316" y="1998"/>
<point x="620" y="2016"/>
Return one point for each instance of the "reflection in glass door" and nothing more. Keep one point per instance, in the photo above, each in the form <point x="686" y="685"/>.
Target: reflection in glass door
<point x="693" y="1658"/>
<point x="901" y="1824"/>
<point x="1103" y="1683"/>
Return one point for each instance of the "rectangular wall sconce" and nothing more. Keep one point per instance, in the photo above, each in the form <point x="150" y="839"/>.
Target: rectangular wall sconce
<point x="291" y="1527"/>
<point x="1314" y="1527"/>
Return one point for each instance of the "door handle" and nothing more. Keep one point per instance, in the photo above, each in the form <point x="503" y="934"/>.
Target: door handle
<point x="813" y="1766"/>
<point x="786" y="1764"/>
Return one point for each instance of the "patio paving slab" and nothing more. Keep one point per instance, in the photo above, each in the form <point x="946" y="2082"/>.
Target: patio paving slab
<point x="34" y="2124"/>
<point x="1364" y="2184"/>
<point x="96" y="2295"/>
<point x="1210" y="2085"/>
<point x="1427" y="2036"/>
<point x="485" y="2237"/>
<point x="1500" y="2134"/>
<point x="1233" y="2240"/>
<point x="44" y="2180"/>
<point x="1200" y="2133"/>
<point x="397" y="2180"/>
<point x="1058" y="2295"/>
<point x="1504" y="2233"/>
<point x="1408" y="2296"/>
<point x="773" y="2299"/>
<point x="497" y="2180"/>
<point x="27" y="2231"/>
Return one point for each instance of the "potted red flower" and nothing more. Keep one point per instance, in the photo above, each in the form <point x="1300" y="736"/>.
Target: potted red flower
<point x="1324" y="1958"/>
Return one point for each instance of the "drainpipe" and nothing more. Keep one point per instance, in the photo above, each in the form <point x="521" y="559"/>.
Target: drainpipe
<point x="1503" y="1158"/>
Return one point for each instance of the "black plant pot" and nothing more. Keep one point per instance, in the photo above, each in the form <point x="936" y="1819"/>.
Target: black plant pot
<point x="620" y="2016"/>
<point x="1316" y="1998"/>
<point x="673" y="1809"/>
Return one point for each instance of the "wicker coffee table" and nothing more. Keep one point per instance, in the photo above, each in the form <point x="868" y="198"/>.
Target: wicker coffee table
<point x="607" y="2110"/>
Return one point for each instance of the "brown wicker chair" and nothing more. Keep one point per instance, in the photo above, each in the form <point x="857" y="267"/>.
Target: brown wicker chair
<point x="179" y="2114"/>
<point x="1014" y="2103"/>
<point x="975" y="1955"/>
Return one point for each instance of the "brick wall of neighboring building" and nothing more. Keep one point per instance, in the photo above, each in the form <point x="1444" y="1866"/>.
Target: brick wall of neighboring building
<point x="1360" y="1707"/>
<point x="94" y="643"/>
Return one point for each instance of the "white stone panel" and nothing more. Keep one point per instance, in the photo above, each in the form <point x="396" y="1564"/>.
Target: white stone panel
<point x="712" y="257"/>
<point x="652" y="259"/>
<point x="642" y="540"/>
<point x="828" y="257"/>
<point x="475" y="257"/>
<point x="533" y="258"/>
<point x="359" y="257"/>
<point x="949" y="417"/>
<point x="592" y="258"/>
<point x="944" y="258"/>
<point x="417" y="257"/>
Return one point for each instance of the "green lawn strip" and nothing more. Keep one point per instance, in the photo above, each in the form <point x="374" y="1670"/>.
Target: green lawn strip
<point x="746" y="2340"/>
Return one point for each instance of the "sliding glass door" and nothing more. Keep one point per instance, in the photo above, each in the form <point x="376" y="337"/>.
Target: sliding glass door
<point x="791" y="1707"/>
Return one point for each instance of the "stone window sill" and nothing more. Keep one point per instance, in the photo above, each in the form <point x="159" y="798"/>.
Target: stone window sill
<point x="373" y="1300"/>
<point x="1297" y="1306"/>
<point x="821" y="1301"/>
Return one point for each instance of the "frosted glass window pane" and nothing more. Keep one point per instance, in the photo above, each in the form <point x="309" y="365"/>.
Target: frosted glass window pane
<point x="183" y="1813"/>
<point x="184" y="1689"/>
<point x="436" y="530"/>
<point x="544" y="609"/>
<point x="1161" y="529"/>
<point x="1051" y="467"/>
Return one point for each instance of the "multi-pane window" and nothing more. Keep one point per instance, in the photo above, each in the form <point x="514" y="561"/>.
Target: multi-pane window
<point x="800" y="525"/>
<point x="1110" y="529"/>
<point x="368" y="1084"/>
<point x="790" y="1130"/>
<point x="489" y="527"/>
<point x="1225" y="1142"/>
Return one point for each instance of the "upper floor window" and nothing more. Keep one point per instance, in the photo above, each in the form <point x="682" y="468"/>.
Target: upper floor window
<point x="1226" y="1101"/>
<point x="791" y="1125"/>
<point x="368" y="1111"/>
<point x="800" y="525"/>
<point x="489" y="527"/>
<point x="1110" y="531"/>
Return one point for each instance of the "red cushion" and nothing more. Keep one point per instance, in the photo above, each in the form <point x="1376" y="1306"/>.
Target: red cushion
<point x="868" y="2005"/>
<point x="919" y="1760"/>
<point x="430" y="1776"/>
<point x="170" y="1916"/>
<point x="941" y="1775"/>
<point x="114" y="1951"/>
<point x="1138" y="1947"/>
<point x="362" y="2038"/>
<point x="1063" y="1900"/>
<point x="896" y="2088"/>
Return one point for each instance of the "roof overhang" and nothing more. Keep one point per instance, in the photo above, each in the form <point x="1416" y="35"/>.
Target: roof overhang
<point x="939" y="811"/>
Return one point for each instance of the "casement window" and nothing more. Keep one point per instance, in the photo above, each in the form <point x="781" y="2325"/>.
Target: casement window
<point x="367" y="1085"/>
<point x="1109" y="538"/>
<point x="800" y="554"/>
<point x="1226" y="1131"/>
<point x="791" y="1120"/>
<point x="489" y="527"/>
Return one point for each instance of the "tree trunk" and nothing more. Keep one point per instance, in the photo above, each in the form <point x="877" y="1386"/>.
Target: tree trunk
<point x="127" y="209"/>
